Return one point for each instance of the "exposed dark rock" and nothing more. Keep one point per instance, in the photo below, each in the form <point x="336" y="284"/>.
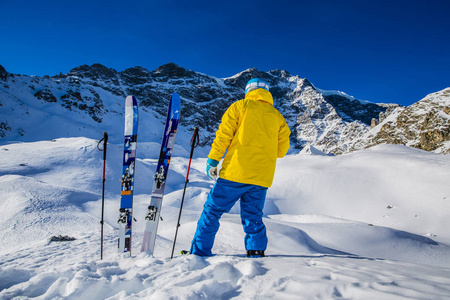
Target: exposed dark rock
<point x="354" y="110"/>
<point x="60" y="238"/>
<point x="45" y="95"/>
<point x="94" y="72"/>
<point x="3" y="73"/>
<point x="424" y="125"/>
<point x="172" y="71"/>
<point x="4" y="127"/>
<point x="135" y="76"/>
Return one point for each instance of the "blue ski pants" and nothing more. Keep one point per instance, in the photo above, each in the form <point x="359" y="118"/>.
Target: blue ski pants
<point x="220" y="200"/>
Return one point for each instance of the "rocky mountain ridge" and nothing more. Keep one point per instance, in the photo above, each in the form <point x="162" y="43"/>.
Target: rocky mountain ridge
<point x="89" y="99"/>
<point x="424" y="125"/>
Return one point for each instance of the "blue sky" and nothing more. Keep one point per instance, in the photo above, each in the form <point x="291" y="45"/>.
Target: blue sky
<point x="376" y="50"/>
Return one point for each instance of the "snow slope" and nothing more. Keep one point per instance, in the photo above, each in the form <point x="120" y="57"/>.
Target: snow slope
<point x="367" y="225"/>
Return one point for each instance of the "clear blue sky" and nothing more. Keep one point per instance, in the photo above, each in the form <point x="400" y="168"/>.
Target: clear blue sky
<point x="376" y="50"/>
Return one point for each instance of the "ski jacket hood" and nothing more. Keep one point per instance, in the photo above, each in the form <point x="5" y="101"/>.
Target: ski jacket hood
<point x="260" y="95"/>
<point x="252" y="135"/>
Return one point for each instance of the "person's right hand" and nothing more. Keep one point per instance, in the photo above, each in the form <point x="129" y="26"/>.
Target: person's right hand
<point x="211" y="168"/>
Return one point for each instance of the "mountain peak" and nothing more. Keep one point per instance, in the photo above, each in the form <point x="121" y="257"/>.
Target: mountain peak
<point x="172" y="70"/>
<point x="240" y="80"/>
<point x="95" y="71"/>
<point x="135" y="75"/>
<point x="3" y="73"/>
<point x="280" y="73"/>
<point x="136" y="70"/>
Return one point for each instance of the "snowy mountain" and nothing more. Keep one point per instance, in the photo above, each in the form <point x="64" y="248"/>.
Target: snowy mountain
<point x="372" y="224"/>
<point x="89" y="100"/>
<point x="424" y="125"/>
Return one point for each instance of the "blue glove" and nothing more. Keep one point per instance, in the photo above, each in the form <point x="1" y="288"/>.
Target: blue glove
<point x="211" y="168"/>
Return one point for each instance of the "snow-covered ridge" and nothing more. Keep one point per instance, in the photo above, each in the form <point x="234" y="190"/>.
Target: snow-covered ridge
<point x="424" y="125"/>
<point x="89" y="100"/>
<point x="340" y="93"/>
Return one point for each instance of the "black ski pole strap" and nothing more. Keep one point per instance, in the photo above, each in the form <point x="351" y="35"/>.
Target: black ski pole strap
<point x="98" y="145"/>
<point x="104" y="140"/>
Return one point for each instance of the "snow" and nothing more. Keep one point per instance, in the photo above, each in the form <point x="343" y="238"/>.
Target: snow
<point x="372" y="224"/>
<point x="310" y="150"/>
<point x="342" y="94"/>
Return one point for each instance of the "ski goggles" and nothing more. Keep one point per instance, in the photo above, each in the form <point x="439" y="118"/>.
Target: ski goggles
<point x="256" y="85"/>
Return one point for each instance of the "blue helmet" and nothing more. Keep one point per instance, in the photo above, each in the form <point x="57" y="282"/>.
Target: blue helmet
<point x="256" y="83"/>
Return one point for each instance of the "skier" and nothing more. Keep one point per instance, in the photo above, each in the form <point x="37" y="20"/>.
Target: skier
<point x="252" y="135"/>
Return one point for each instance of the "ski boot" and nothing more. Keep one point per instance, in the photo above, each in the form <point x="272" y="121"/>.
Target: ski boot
<point x="255" y="253"/>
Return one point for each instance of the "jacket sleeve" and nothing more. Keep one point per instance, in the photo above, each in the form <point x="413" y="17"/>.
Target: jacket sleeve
<point x="225" y="133"/>
<point x="283" y="138"/>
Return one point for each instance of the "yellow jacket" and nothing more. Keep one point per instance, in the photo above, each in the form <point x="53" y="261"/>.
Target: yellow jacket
<point x="253" y="134"/>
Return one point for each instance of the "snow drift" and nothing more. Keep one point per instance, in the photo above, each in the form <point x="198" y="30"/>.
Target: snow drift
<point x="371" y="224"/>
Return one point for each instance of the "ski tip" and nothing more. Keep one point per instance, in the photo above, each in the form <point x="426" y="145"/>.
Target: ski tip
<point x="131" y="100"/>
<point x="175" y="97"/>
<point x="175" y="105"/>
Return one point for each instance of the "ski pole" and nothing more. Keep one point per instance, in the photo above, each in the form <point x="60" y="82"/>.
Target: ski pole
<point x="194" y="143"/>
<point x="105" y="143"/>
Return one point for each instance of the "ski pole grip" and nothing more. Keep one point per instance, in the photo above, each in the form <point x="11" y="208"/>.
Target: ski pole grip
<point x="195" y="138"/>
<point x="105" y="137"/>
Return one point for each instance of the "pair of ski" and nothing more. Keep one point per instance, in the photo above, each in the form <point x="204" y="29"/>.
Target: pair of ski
<point x="129" y="159"/>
